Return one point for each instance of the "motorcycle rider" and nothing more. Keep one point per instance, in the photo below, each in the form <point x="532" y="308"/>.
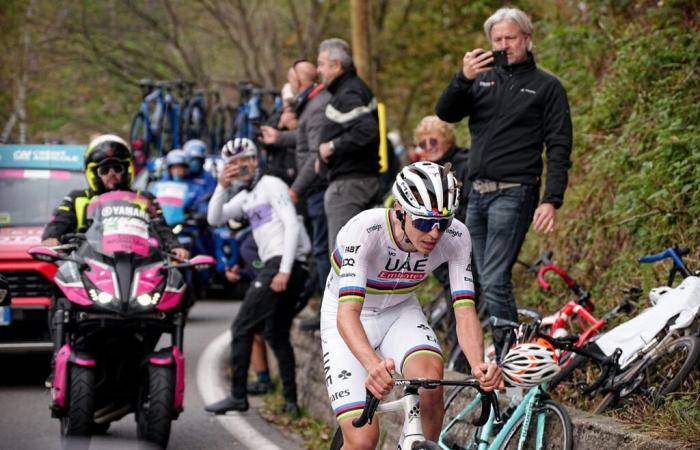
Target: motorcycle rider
<point x="196" y="151"/>
<point x="178" y="169"/>
<point x="109" y="166"/>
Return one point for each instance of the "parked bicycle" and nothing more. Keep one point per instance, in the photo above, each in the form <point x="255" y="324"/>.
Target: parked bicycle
<point x="536" y="422"/>
<point x="658" y="348"/>
<point x="412" y="432"/>
<point x="193" y="120"/>
<point x="155" y="128"/>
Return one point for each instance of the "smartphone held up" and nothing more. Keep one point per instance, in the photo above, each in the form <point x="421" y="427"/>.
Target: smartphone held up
<point x="500" y="58"/>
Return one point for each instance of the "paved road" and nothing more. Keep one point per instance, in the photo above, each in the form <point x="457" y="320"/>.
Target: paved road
<point x="26" y="423"/>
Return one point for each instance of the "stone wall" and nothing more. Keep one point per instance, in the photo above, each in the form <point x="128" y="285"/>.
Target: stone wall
<point x="592" y="432"/>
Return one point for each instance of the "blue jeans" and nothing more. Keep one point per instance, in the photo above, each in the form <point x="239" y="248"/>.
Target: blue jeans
<point x="498" y="222"/>
<point x="319" y="236"/>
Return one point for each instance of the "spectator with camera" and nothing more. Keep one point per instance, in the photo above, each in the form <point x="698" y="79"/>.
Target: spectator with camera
<point x="270" y="303"/>
<point x="515" y="111"/>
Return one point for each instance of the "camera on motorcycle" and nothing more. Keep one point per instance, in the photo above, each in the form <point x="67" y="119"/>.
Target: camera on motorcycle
<point x="5" y="296"/>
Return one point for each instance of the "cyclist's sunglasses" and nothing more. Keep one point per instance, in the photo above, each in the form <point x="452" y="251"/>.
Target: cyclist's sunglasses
<point x="430" y="143"/>
<point x="104" y="170"/>
<point x="425" y="224"/>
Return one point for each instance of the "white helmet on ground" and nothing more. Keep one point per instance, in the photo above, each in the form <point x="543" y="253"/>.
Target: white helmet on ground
<point x="427" y="189"/>
<point x="238" y="148"/>
<point x="529" y="364"/>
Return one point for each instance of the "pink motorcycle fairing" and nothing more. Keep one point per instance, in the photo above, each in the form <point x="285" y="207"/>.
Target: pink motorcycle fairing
<point x="60" y="379"/>
<point x="102" y="276"/>
<point x="179" y="360"/>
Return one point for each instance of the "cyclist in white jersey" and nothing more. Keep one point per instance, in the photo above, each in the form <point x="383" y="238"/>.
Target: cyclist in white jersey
<point x="372" y="325"/>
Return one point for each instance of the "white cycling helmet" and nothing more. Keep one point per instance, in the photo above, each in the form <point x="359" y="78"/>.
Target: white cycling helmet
<point x="176" y="157"/>
<point x="427" y="189"/>
<point x="529" y="364"/>
<point x="238" y="148"/>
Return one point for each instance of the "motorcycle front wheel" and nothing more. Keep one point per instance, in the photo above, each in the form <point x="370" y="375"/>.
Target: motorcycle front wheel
<point x="80" y="403"/>
<point x="156" y="405"/>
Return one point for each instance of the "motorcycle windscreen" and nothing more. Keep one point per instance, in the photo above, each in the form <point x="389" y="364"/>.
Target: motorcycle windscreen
<point x="120" y="223"/>
<point x="171" y="196"/>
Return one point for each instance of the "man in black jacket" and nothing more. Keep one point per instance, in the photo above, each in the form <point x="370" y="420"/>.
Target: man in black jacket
<point x="349" y="138"/>
<point x="514" y="111"/>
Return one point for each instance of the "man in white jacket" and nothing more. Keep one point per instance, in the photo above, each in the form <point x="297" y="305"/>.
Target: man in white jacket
<point x="268" y="306"/>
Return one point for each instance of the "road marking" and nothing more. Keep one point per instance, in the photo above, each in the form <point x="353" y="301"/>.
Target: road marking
<point x="212" y="388"/>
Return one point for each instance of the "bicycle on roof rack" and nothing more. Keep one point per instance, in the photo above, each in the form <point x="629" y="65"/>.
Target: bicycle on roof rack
<point x="155" y="128"/>
<point x="193" y="119"/>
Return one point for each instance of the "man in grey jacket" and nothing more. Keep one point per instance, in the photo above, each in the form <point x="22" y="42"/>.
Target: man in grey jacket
<point x="311" y="100"/>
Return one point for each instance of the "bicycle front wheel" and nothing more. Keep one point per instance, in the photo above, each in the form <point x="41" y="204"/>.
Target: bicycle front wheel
<point x="549" y="429"/>
<point x="659" y="375"/>
<point x="460" y="410"/>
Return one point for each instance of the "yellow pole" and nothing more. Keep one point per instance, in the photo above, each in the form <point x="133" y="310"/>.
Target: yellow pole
<point x="383" y="148"/>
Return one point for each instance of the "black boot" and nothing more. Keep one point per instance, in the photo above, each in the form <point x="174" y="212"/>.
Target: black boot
<point x="228" y="404"/>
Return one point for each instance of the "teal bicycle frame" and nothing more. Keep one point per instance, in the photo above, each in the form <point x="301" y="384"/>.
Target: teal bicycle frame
<point x="525" y="408"/>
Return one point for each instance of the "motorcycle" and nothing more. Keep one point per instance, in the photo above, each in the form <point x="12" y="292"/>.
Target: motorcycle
<point x="120" y="293"/>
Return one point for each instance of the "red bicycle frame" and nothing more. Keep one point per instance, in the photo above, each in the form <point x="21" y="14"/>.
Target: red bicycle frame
<point x="579" y="309"/>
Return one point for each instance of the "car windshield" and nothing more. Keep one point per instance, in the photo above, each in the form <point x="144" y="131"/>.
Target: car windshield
<point x="28" y="197"/>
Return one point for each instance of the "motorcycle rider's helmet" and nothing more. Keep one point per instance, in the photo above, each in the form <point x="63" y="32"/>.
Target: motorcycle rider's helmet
<point x="530" y="364"/>
<point x="106" y="150"/>
<point x="238" y="148"/>
<point x="427" y="190"/>
<point x="196" y="151"/>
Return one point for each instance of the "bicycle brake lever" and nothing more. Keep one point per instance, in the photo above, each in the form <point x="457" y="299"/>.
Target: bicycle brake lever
<point x="371" y="404"/>
<point x="488" y="401"/>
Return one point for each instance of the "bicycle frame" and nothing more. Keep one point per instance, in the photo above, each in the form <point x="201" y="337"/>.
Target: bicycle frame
<point x="409" y="403"/>
<point x="526" y="408"/>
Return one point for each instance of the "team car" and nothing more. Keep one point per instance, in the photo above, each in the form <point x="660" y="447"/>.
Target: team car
<point x="33" y="180"/>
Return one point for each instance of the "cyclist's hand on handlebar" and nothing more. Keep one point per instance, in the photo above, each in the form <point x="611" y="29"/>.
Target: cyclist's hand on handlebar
<point x="269" y="134"/>
<point x="279" y="282"/>
<point x="474" y="63"/>
<point x="50" y="242"/>
<point x="489" y="376"/>
<point x="380" y="379"/>
<point x="543" y="220"/>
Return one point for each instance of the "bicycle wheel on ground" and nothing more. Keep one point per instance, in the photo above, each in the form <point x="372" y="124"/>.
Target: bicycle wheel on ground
<point x="549" y="429"/>
<point x="155" y="409"/>
<point x="654" y="378"/>
<point x="578" y="373"/>
<point x="81" y="402"/>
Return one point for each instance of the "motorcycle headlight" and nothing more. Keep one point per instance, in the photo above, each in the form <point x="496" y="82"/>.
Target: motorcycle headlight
<point x="100" y="297"/>
<point x="147" y="285"/>
<point x="148" y="299"/>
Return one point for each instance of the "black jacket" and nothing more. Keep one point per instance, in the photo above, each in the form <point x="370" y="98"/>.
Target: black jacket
<point x="351" y="123"/>
<point x="459" y="158"/>
<point x="514" y="111"/>
<point x="67" y="218"/>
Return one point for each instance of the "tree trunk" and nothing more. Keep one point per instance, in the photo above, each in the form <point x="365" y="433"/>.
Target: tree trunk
<point x="361" y="49"/>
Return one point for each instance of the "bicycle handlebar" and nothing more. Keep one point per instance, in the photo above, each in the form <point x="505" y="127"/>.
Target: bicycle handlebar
<point x="676" y="254"/>
<point x="582" y="296"/>
<point x="488" y="399"/>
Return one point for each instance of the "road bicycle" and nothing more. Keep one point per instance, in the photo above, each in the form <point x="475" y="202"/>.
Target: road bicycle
<point x="155" y="128"/>
<point x="537" y="421"/>
<point x="193" y="120"/>
<point x="658" y="365"/>
<point x="412" y="431"/>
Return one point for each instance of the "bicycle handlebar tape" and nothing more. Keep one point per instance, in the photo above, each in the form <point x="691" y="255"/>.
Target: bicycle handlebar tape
<point x="371" y="403"/>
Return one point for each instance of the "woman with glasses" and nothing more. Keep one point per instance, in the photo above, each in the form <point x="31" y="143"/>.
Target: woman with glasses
<point x="435" y="142"/>
<point x="372" y="325"/>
